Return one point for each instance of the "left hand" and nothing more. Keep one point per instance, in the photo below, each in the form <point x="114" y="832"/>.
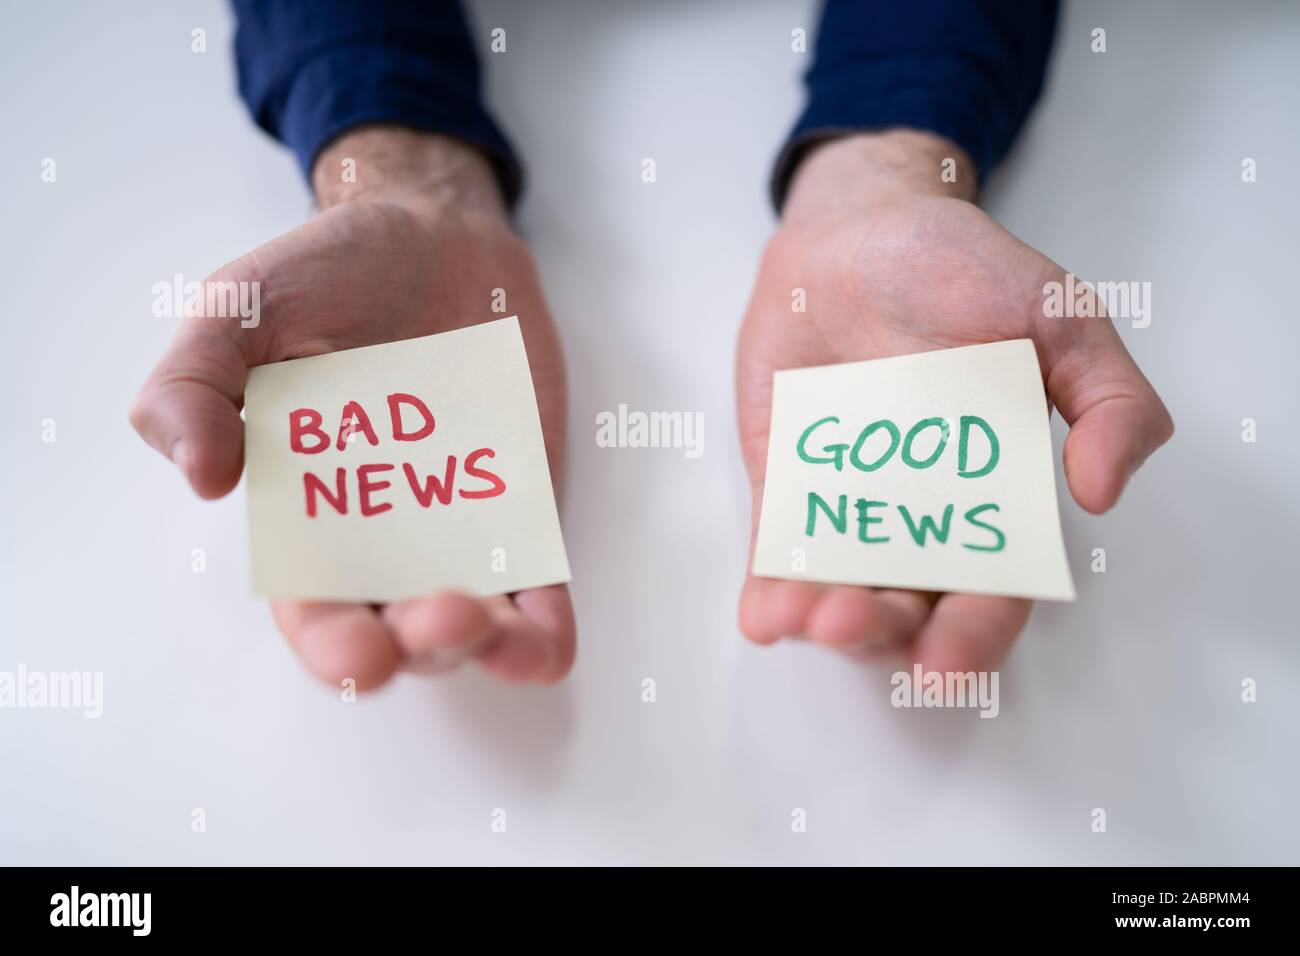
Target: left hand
<point x="893" y="261"/>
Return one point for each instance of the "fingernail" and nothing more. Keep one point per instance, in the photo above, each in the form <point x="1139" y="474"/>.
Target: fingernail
<point x="177" y="453"/>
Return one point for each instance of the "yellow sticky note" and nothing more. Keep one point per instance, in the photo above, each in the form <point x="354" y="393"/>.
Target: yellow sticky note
<point x="392" y="471"/>
<point x="930" y="471"/>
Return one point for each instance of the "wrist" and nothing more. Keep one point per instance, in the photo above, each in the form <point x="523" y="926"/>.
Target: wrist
<point x="867" y="169"/>
<point x="426" y="172"/>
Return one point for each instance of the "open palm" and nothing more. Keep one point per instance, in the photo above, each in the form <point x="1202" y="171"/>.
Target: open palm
<point x="912" y="275"/>
<point x="358" y="274"/>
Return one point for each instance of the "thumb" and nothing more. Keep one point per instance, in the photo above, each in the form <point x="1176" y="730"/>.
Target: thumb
<point x="1116" y="418"/>
<point x="189" y="407"/>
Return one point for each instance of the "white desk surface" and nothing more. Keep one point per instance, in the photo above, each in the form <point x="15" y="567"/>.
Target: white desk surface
<point x="1128" y="700"/>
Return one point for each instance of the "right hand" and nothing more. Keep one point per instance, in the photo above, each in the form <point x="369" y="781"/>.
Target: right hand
<point x="415" y="247"/>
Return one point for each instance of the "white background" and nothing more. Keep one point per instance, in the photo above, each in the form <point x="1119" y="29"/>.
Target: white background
<point x="1128" y="700"/>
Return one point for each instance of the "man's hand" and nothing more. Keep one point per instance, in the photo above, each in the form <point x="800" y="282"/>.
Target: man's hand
<point x="415" y="246"/>
<point x="894" y="261"/>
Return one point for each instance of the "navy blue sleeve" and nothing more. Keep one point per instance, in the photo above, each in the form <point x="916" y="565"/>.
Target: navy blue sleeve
<point x="309" y="71"/>
<point x="969" y="70"/>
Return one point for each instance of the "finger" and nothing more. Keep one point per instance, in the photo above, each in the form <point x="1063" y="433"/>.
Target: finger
<point x="339" y="641"/>
<point x="1109" y="443"/>
<point x="189" y="407"/>
<point x="437" y="633"/>
<point x="1116" y="418"/>
<point x="970" y="632"/>
<point x="534" y="636"/>
<point x="861" y="621"/>
<point x="771" y="609"/>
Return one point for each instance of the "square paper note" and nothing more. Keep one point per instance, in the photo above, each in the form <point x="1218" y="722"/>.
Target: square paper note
<point x="930" y="471"/>
<point x="391" y="471"/>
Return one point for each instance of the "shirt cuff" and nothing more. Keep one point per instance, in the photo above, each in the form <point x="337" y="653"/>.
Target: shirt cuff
<point x="912" y="94"/>
<point x="310" y="70"/>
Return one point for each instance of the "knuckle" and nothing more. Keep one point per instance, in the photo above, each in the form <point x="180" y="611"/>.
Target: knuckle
<point x="140" y="412"/>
